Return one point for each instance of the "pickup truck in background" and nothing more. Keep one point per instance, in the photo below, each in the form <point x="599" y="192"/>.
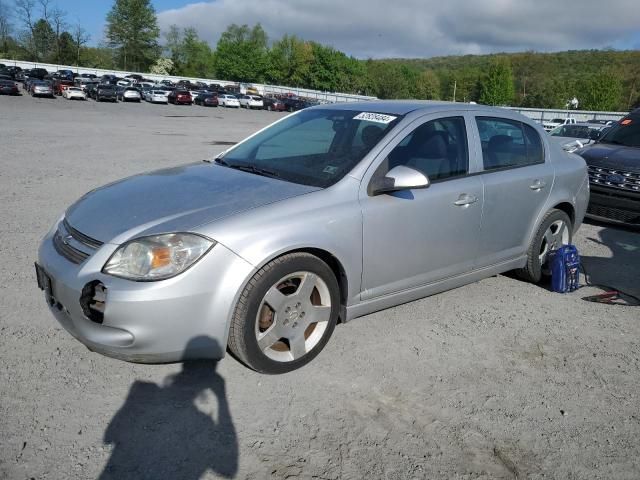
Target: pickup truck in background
<point x="556" y="122"/>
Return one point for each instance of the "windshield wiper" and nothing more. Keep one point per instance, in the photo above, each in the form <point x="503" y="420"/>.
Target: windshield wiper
<point x="253" y="169"/>
<point x="247" y="168"/>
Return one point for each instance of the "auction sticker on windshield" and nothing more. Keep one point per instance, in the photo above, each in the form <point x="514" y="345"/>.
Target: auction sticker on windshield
<point x="375" y="117"/>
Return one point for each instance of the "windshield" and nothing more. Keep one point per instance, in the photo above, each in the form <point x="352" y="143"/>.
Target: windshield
<point x="573" y="131"/>
<point x="312" y="147"/>
<point x="626" y="132"/>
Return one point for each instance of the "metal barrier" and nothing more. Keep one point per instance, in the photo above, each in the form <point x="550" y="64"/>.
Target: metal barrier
<point x="544" y="114"/>
<point x="303" y="92"/>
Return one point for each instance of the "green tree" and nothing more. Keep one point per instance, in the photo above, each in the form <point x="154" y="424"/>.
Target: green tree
<point x="602" y="91"/>
<point x="289" y="61"/>
<point x="388" y="80"/>
<point x="132" y="29"/>
<point x="241" y="53"/>
<point x="497" y="87"/>
<point x="44" y="39"/>
<point x="427" y="86"/>
<point x="196" y="59"/>
<point x="66" y="49"/>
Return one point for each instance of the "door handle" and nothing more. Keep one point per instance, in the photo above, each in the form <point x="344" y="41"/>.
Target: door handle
<point x="538" y="185"/>
<point x="465" y="200"/>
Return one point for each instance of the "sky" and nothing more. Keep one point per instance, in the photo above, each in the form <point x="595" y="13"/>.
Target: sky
<point x="404" y="28"/>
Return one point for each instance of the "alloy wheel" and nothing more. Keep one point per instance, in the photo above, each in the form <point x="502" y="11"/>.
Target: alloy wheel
<point x="293" y="316"/>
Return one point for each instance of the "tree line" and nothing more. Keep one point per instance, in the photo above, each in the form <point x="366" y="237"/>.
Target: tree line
<point x="38" y="30"/>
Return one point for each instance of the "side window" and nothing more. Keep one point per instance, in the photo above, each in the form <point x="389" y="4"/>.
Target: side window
<point x="437" y="148"/>
<point x="508" y="143"/>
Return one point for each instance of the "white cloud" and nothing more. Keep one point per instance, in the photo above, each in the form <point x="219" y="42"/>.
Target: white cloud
<point x="423" y="28"/>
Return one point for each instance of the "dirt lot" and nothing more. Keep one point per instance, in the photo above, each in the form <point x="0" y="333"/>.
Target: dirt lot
<point x="498" y="379"/>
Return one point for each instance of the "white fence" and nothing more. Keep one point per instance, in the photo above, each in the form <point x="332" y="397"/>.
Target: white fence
<point x="303" y="92"/>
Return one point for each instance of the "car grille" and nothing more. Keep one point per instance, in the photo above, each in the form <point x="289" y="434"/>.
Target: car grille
<point x="73" y="245"/>
<point x="617" y="214"/>
<point x="619" y="179"/>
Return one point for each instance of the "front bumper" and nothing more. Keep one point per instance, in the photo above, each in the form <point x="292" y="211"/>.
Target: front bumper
<point x="613" y="205"/>
<point x="185" y="317"/>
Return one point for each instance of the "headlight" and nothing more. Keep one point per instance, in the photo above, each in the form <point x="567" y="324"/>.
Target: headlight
<point x="157" y="257"/>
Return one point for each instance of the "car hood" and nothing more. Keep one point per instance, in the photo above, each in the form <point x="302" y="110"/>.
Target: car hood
<point x="173" y="200"/>
<point x="612" y="156"/>
<point x="570" y="142"/>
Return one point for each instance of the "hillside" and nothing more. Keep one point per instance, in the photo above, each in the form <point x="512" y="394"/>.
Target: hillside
<point x="539" y="79"/>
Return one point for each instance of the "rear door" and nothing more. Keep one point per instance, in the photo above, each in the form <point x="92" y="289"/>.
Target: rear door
<point x="517" y="177"/>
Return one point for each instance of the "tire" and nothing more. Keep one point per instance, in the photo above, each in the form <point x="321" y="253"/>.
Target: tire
<point x="554" y="231"/>
<point x="283" y="337"/>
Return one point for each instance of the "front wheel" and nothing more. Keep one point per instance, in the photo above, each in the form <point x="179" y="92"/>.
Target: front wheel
<point x="554" y="232"/>
<point x="286" y="314"/>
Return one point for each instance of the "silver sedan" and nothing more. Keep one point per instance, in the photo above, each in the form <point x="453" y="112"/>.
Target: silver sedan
<point x="329" y="214"/>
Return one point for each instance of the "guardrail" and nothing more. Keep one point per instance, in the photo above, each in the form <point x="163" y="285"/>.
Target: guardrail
<point x="303" y="92"/>
<point x="544" y="114"/>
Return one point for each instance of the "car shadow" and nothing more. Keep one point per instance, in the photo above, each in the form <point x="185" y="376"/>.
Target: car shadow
<point x="620" y="271"/>
<point x="168" y="431"/>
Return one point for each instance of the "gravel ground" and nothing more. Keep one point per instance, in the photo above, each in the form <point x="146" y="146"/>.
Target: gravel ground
<point x="498" y="379"/>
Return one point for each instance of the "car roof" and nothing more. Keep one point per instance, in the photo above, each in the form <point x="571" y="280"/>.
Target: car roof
<point x="403" y="107"/>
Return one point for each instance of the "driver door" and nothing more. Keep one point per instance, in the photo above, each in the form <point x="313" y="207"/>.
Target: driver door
<point x="415" y="237"/>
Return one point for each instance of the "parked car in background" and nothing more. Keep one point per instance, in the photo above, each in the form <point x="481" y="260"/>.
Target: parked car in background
<point x="229" y="101"/>
<point x="129" y="94"/>
<point x="39" y="73"/>
<point x="575" y="136"/>
<point x="207" y="99"/>
<point x="88" y="75"/>
<point x="66" y="74"/>
<point x="614" y="172"/>
<point x="251" y="101"/>
<point x="293" y="104"/>
<point x="8" y="87"/>
<point x="60" y="84"/>
<point x="180" y="97"/>
<point x="41" y="89"/>
<point x="195" y="93"/>
<point x="157" y="96"/>
<point x="601" y="122"/>
<point x="83" y="82"/>
<point x="74" y="93"/>
<point x="12" y="71"/>
<point x="556" y="122"/>
<point x="273" y="104"/>
<point x="332" y="213"/>
<point x="105" y="92"/>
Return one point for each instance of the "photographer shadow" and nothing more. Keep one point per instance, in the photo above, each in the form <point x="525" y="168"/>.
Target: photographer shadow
<point x="169" y="431"/>
<point x="621" y="270"/>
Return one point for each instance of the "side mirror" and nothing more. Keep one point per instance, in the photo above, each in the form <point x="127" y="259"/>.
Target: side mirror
<point x="399" y="178"/>
<point x="594" y="134"/>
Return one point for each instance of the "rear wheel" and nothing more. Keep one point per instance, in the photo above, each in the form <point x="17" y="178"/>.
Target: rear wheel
<point x="554" y="231"/>
<point x="286" y="314"/>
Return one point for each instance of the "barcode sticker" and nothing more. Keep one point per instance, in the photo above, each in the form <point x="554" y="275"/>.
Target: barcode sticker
<point x="375" y="117"/>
